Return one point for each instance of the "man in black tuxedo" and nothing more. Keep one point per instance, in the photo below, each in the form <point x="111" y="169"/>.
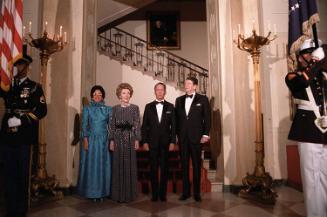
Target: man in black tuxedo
<point x="193" y="126"/>
<point x="159" y="137"/>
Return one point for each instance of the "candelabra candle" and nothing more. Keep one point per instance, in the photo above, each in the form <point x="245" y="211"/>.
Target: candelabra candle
<point x="45" y="27"/>
<point x="65" y="37"/>
<point x="60" y="32"/>
<point x="30" y="27"/>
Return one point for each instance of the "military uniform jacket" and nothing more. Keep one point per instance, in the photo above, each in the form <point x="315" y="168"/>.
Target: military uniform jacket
<point x="26" y="101"/>
<point x="303" y="128"/>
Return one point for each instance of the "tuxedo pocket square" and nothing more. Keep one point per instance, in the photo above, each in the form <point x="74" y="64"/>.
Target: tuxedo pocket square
<point x="168" y="112"/>
<point x="199" y="104"/>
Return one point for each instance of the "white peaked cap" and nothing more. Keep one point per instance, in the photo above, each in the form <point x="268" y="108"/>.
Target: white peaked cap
<point x="309" y="43"/>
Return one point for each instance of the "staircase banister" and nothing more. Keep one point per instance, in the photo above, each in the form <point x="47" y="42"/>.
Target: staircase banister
<point x="158" y="48"/>
<point x="170" y="59"/>
<point x="201" y="73"/>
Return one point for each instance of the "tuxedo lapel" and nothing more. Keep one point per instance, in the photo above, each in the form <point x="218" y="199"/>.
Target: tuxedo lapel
<point x="164" y="110"/>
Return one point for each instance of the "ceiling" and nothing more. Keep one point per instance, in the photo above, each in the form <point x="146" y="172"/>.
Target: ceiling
<point x="111" y="10"/>
<point x="114" y="12"/>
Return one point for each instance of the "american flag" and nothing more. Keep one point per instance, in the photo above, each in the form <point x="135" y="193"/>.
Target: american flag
<point x="302" y="15"/>
<point x="11" y="43"/>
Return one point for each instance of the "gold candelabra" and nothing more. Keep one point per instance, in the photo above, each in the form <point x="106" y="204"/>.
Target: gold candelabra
<point x="43" y="187"/>
<point x="258" y="186"/>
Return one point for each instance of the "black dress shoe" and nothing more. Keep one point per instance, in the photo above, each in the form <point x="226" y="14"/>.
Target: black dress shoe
<point x="197" y="198"/>
<point x="184" y="197"/>
<point x="163" y="199"/>
<point x="154" y="199"/>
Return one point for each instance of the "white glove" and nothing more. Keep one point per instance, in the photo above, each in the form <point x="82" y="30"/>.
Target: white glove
<point x="14" y="122"/>
<point x="318" y="54"/>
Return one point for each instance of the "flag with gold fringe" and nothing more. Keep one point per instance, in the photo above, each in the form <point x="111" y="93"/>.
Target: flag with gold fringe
<point x="302" y="15"/>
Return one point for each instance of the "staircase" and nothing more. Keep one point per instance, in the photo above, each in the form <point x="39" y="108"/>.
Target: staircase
<point x="159" y="63"/>
<point x="173" y="70"/>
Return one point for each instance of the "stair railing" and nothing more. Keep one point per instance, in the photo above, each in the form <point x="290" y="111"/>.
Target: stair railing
<point x="161" y="63"/>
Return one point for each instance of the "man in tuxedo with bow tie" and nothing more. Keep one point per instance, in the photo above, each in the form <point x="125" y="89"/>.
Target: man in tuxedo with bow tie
<point x="159" y="137"/>
<point x="193" y="126"/>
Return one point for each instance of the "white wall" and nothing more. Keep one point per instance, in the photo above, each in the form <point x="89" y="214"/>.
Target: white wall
<point x="194" y="46"/>
<point x="110" y="73"/>
<point x="63" y="89"/>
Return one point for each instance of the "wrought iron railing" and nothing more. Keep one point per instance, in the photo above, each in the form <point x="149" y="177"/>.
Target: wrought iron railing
<point x="163" y="64"/>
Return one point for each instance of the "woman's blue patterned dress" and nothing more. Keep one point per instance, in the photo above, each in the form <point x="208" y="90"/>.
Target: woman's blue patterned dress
<point x="94" y="179"/>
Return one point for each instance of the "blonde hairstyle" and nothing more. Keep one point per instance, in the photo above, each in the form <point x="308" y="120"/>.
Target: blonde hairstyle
<point x="124" y="86"/>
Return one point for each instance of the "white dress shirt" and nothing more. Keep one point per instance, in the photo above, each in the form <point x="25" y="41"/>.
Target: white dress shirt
<point x="188" y="103"/>
<point x="159" y="107"/>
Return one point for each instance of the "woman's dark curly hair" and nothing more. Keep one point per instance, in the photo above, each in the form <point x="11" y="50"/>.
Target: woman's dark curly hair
<point x="100" y="88"/>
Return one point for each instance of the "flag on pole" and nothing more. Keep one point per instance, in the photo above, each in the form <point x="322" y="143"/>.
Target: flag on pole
<point x="11" y="42"/>
<point x="302" y="15"/>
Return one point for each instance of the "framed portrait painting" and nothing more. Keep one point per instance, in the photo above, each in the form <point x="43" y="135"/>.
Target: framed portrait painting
<point x="163" y="30"/>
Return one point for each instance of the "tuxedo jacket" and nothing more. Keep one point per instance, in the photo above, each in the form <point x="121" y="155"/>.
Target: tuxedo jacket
<point x="197" y="122"/>
<point x="155" y="132"/>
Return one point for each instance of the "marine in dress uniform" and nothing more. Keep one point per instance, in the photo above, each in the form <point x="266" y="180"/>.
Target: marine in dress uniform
<point x="24" y="106"/>
<point x="309" y="128"/>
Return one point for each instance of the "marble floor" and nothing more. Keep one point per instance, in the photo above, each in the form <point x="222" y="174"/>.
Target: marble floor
<point x="289" y="204"/>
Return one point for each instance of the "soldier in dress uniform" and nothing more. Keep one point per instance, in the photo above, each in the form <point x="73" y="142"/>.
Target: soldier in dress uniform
<point x="309" y="128"/>
<point x="24" y="106"/>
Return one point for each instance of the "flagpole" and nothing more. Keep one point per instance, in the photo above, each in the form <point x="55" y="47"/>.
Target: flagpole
<point x="315" y="35"/>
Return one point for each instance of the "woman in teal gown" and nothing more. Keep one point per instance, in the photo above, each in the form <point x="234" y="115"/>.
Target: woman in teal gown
<point x="94" y="179"/>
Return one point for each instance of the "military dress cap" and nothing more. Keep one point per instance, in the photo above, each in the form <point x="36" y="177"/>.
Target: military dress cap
<point x="308" y="46"/>
<point x="25" y="59"/>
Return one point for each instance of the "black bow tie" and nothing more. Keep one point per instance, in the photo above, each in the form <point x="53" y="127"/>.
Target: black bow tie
<point x="161" y="102"/>
<point x="191" y="96"/>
